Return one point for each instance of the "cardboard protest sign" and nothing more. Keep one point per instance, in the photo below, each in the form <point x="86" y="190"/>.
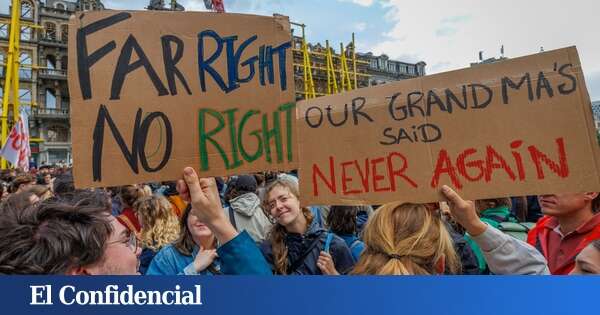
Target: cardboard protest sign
<point x="153" y="92"/>
<point x="518" y="127"/>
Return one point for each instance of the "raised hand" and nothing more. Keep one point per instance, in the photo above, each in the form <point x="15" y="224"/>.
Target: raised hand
<point x="463" y="212"/>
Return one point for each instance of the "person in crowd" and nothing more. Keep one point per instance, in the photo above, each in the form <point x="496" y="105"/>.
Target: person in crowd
<point x="492" y="212"/>
<point x="44" y="178"/>
<point x="115" y="200"/>
<point x="18" y="201"/>
<point x="4" y="190"/>
<point x="296" y="244"/>
<point x="237" y="252"/>
<point x="63" y="184"/>
<point x="159" y="224"/>
<point x="244" y="210"/>
<point x="193" y="253"/>
<point x="406" y="239"/>
<point x="342" y="221"/>
<point x="503" y="254"/>
<point x="129" y="195"/>
<point x="588" y="260"/>
<point x="169" y="190"/>
<point x="261" y="184"/>
<point x="43" y="192"/>
<point x="570" y="223"/>
<point x="67" y="236"/>
<point x="468" y="260"/>
<point x="21" y="183"/>
<point x="362" y="216"/>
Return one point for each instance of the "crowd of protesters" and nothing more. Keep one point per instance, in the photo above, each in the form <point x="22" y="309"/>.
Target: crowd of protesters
<point x="255" y="224"/>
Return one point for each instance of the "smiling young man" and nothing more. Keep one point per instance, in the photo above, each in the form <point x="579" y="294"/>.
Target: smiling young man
<point x="571" y="222"/>
<point x="75" y="235"/>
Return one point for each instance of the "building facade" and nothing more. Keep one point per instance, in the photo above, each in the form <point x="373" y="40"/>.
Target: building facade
<point x="370" y="69"/>
<point x="43" y="75"/>
<point x="382" y="69"/>
<point x="44" y="61"/>
<point x="596" y="111"/>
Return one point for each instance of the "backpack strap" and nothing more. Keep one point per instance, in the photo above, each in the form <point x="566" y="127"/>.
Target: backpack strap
<point x="294" y="265"/>
<point x="354" y="243"/>
<point x="328" y="241"/>
<point x="232" y="217"/>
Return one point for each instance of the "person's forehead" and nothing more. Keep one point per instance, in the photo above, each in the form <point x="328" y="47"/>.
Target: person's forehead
<point x="117" y="228"/>
<point x="278" y="191"/>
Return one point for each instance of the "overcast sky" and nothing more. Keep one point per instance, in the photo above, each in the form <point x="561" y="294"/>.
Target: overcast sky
<point x="447" y="35"/>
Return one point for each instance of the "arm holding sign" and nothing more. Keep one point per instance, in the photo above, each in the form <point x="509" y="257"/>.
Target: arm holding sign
<point x="238" y="252"/>
<point x="503" y="253"/>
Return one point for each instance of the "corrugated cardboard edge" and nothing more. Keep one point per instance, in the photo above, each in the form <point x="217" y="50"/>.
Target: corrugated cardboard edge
<point x="584" y="99"/>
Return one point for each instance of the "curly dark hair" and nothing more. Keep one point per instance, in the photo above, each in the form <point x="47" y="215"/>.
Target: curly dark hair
<point x="55" y="236"/>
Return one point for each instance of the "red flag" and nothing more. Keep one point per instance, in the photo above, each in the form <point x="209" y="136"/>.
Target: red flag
<point x="218" y="6"/>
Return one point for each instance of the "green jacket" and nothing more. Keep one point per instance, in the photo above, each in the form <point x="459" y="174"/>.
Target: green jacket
<point x="493" y="217"/>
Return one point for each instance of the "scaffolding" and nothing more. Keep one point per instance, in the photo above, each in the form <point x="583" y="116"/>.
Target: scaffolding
<point x="10" y="96"/>
<point x="323" y="71"/>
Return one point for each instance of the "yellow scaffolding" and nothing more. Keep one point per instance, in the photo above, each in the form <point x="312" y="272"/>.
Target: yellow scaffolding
<point x="332" y="87"/>
<point x="10" y="97"/>
<point x="344" y="73"/>
<point x="333" y="65"/>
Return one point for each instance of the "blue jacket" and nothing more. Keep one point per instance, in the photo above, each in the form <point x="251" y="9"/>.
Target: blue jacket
<point x="304" y="250"/>
<point x="169" y="261"/>
<point x="146" y="258"/>
<point x="355" y="245"/>
<point x="240" y="256"/>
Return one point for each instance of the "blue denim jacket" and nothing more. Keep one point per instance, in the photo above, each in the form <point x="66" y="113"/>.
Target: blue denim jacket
<point x="238" y="256"/>
<point x="169" y="261"/>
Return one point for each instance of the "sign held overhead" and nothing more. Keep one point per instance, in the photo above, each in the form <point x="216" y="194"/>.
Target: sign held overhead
<point x="153" y="92"/>
<point x="522" y="126"/>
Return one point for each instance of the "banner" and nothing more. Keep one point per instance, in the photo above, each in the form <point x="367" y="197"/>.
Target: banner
<point x="271" y="295"/>
<point x="518" y="127"/>
<point x="16" y="150"/>
<point x="153" y="92"/>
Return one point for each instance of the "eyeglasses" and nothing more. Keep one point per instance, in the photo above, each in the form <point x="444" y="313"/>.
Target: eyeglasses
<point x="131" y="242"/>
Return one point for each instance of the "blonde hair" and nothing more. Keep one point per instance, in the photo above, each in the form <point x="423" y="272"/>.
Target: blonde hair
<point x="160" y="226"/>
<point x="278" y="232"/>
<point x="406" y="239"/>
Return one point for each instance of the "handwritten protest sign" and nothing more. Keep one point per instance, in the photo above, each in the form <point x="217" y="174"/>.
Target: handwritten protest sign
<point x="522" y="126"/>
<point x="153" y="92"/>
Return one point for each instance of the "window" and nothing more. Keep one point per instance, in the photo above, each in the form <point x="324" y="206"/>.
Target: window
<point x="64" y="61"/>
<point x="391" y="67"/>
<point x="64" y="33"/>
<point x="25" y="96"/>
<point x="50" y="99"/>
<point x="57" y="134"/>
<point x="50" y="30"/>
<point x="26" y="33"/>
<point x="26" y="9"/>
<point x="4" y="31"/>
<point x="51" y="62"/>
<point x="60" y="6"/>
<point x="57" y="156"/>
<point x="25" y="70"/>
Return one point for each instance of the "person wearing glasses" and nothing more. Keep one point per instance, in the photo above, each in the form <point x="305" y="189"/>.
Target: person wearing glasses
<point x="74" y="235"/>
